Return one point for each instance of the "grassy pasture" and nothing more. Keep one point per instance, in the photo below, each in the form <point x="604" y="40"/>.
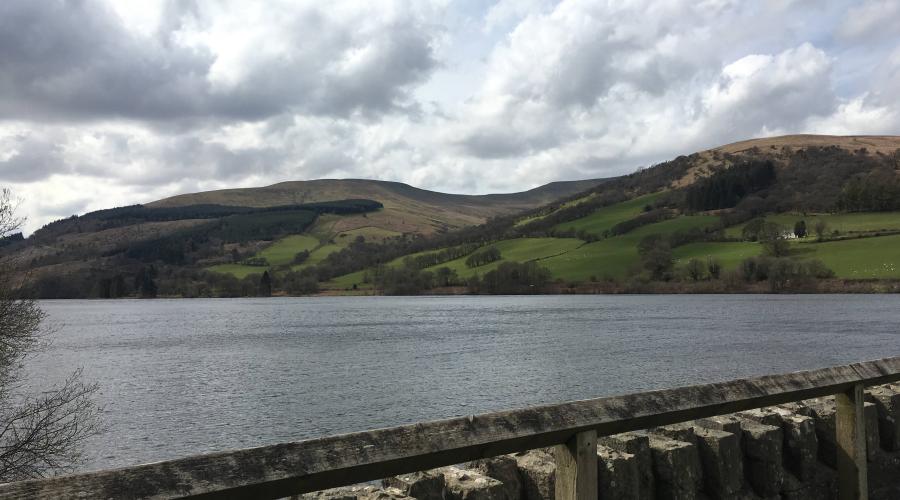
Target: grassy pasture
<point x="729" y="254"/>
<point x="279" y="253"/>
<point x="858" y="258"/>
<point x="845" y="223"/>
<point x="615" y="257"/>
<point x="515" y="250"/>
<point x="567" y="204"/>
<point x="370" y="233"/>
<point x="348" y="280"/>
<point x="283" y="251"/>
<point x="572" y="260"/>
<point x="607" y="217"/>
<point x="318" y="255"/>
<point x="239" y="271"/>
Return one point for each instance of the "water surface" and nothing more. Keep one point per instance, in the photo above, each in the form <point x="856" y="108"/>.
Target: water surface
<point x="180" y="377"/>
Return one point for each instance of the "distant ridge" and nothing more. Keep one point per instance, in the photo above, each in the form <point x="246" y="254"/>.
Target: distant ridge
<point x="406" y="208"/>
<point x="872" y="143"/>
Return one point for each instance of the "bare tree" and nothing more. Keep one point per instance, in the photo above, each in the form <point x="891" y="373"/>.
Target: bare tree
<point x="773" y="240"/>
<point x="43" y="433"/>
<point x="821" y="228"/>
<point x="695" y="269"/>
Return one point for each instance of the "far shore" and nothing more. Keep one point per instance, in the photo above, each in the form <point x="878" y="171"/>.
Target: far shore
<point x="703" y="287"/>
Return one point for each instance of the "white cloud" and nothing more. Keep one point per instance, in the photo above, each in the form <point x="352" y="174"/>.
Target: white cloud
<point x="106" y="105"/>
<point x="768" y="92"/>
<point x="506" y="12"/>
<point x="856" y="117"/>
<point x="872" y="19"/>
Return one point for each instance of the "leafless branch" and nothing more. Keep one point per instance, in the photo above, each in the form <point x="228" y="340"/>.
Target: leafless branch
<point x="43" y="434"/>
<point x="39" y="434"/>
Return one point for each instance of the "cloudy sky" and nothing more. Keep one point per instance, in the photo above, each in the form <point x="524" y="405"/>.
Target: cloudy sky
<point x="106" y="103"/>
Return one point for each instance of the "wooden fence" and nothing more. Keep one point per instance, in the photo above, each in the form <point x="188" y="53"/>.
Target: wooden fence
<point x="572" y="428"/>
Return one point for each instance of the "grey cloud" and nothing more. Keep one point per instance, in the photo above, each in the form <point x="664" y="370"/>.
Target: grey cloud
<point x="490" y="143"/>
<point x="35" y="159"/>
<point x="503" y="141"/>
<point x="74" y="61"/>
<point x="576" y="89"/>
<point x="52" y="211"/>
<point x="325" y="163"/>
<point x="400" y="59"/>
<point x="190" y="157"/>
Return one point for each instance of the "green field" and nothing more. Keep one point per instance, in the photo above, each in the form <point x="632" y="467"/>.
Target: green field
<point x="571" y="259"/>
<point x="348" y="280"/>
<point x="567" y="204"/>
<point x="283" y="251"/>
<point x="607" y="217"/>
<point x="239" y="271"/>
<point x="858" y="258"/>
<point x="318" y="255"/>
<point x="844" y="223"/>
<point x="616" y="257"/>
<point x="369" y="233"/>
<point x="279" y="253"/>
<point x="515" y="250"/>
<point x="729" y="254"/>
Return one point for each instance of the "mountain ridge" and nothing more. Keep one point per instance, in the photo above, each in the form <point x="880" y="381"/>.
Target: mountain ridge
<point x="697" y="200"/>
<point x="407" y="209"/>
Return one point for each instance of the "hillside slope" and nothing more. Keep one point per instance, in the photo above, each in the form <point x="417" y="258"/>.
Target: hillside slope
<point x="872" y="143"/>
<point x="698" y="205"/>
<point x="238" y="232"/>
<point x="781" y="148"/>
<point x="344" y="234"/>
<point x="407" y="209"/>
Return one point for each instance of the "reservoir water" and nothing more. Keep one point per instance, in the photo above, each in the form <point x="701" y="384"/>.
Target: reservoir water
<point x="180" y="377"/>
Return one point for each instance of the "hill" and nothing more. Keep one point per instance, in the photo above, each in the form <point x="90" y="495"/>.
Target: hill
<point x="407" y="209"/>
<point x="873" y="143"/>
<point x="796" y="208"/>
<point x="781" y="148"/>
<point x="697" y="206"/>
<point x="238" y="232"/>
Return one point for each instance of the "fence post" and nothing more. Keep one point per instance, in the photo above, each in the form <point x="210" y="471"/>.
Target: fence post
<point x="576" y="467"/>
<point x="850" y="427"/>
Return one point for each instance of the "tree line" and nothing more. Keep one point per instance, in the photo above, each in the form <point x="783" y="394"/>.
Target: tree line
<point x="726" y="188"/>
<point x="135" y="214"/>
<point x="877" y="191"/>
<point x="482" y="257"/>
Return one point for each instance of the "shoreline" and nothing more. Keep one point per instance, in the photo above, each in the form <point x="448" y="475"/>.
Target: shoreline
<point x="714" y="287"/>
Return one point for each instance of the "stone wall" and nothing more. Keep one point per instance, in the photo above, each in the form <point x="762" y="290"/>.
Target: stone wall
<point x="779" y="452"/>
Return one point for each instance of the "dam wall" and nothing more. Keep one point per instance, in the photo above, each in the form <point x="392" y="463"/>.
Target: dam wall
<point x="787" y="451"/>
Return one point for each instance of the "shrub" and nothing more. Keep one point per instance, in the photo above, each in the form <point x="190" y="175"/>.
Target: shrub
<point x="695" y="269"/>
<point x="483" y="257"/>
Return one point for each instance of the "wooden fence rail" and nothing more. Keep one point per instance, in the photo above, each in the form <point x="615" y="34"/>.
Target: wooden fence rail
<point x="292" y="468"/>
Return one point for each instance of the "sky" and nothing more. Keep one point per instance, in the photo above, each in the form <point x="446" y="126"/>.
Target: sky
<point x="110" y="103"/>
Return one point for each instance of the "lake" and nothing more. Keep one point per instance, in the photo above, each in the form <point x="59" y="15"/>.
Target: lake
<point x="180" y="377"/>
